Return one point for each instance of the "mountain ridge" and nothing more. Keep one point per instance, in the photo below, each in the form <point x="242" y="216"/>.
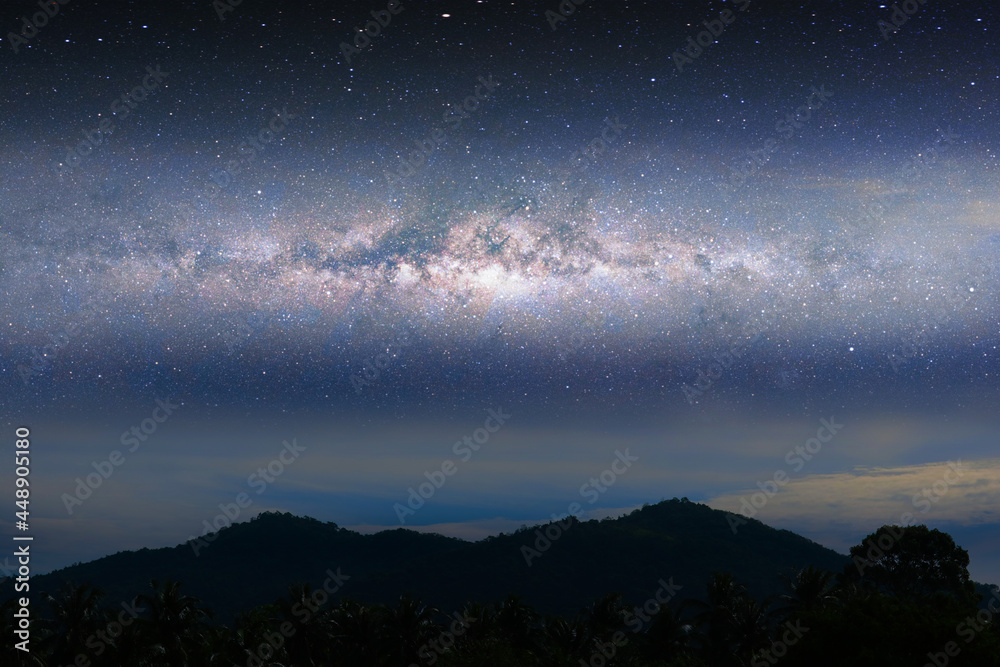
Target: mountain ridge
<point x="557" y="567"/>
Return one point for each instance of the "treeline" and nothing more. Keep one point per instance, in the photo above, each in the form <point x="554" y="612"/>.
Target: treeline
<point x="905" y="600"/>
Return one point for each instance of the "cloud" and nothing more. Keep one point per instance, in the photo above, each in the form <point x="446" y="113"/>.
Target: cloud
<point x="867" y="497"/>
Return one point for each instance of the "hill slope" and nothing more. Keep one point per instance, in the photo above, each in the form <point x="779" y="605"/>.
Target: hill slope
<point x="254" y="562"/>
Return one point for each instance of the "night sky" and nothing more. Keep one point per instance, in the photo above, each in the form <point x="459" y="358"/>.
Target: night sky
<point x="620" y="238"/>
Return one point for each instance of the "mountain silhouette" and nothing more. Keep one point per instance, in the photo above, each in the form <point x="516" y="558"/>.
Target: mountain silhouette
<point x="571" y="562"/>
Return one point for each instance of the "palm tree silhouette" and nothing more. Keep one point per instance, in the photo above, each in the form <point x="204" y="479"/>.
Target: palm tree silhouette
<point x="810" y="589"/>
<point x="669" y="635"/>
<point x="75" y="617"/>
<point x="251" y="631"/>
<point x="730" y="620"/>
<point x="311" y="633"/>
<point x="408" y="627"/>
<point x="519" y="624"/>
<point x="605" y="616"/>
<point x="750" y="628"/>
<point x="567" y="642"/>
<point x="358" y="632"/>
<point x="176" y="629"/>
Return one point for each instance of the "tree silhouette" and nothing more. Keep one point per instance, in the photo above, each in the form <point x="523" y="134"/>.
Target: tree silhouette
<point x="906" y="603"/>
<point x="567" y="641"/>
<point x="913" y="562"/>
<point x="727" y="620"/>
<point x="808" y="589"/>
<point x="606" y="616"/>
<point x="749" y="626"/>
<point x="75" y="617"/>
<point x="310" y="631"/>
<point x="669" y="636"/>
<point x="175" y="628"/>
<point x="358" y="631"/>
<point x="251" y="630"/>
<point x="409" y="625"/>
<point x="519" y="624"/>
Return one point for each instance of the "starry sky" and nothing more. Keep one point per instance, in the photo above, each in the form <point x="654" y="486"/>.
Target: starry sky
<point x="619" y="229"/>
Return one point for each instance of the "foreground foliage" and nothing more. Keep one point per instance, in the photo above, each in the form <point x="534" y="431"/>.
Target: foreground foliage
<point x="910" y="603"/>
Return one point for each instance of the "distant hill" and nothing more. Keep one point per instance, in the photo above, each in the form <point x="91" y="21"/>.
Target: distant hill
<point x="679" y="539"/>
<point x="254" y="562"/>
